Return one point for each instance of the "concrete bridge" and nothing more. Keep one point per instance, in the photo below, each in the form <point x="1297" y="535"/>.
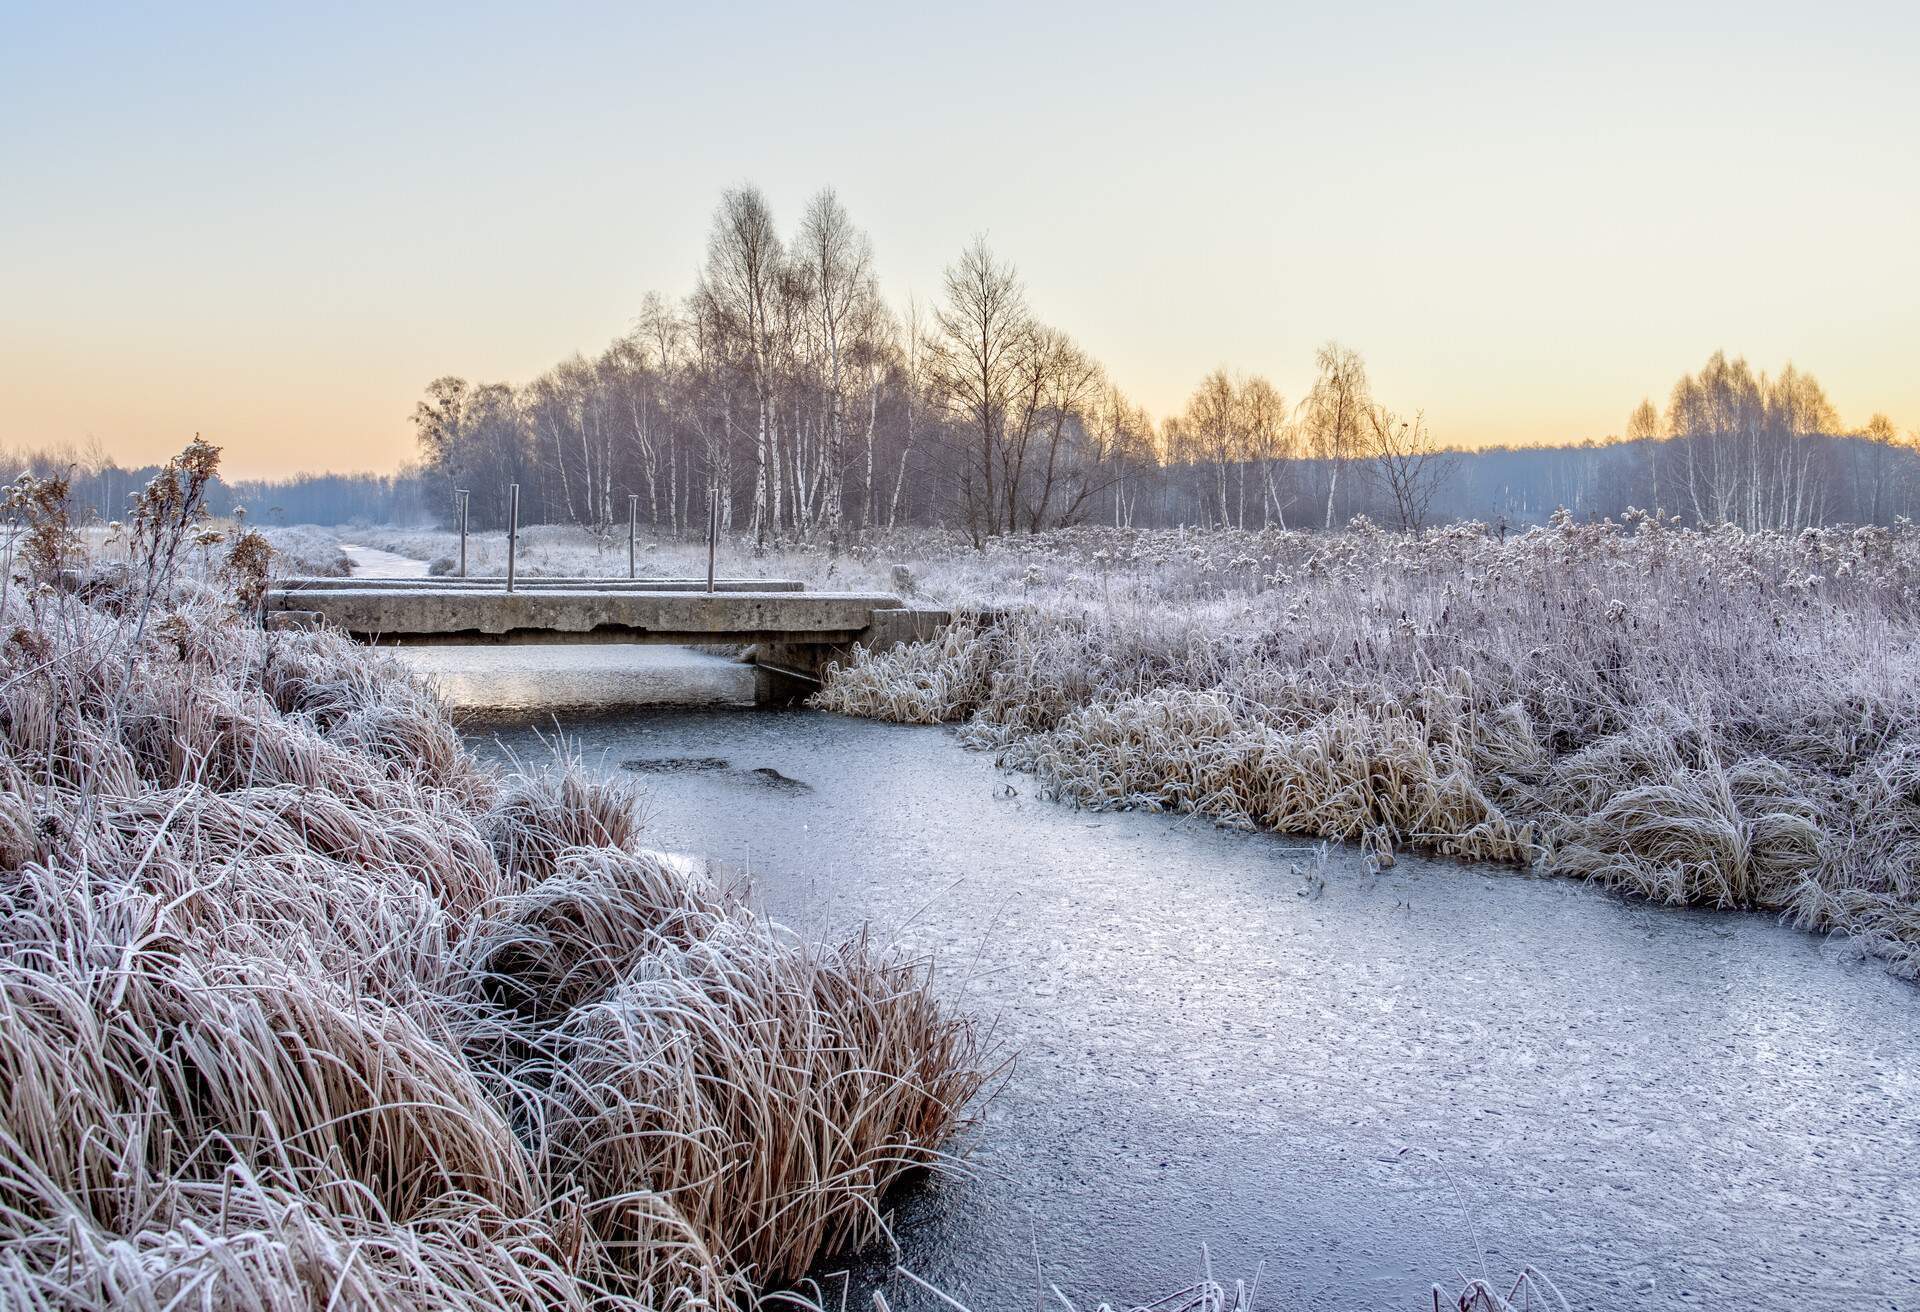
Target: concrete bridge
<point x="794" y="633"/>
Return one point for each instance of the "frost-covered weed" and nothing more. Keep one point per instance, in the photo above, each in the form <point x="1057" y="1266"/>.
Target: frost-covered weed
<point x="303" y="1007"/>
<point x="1709" y="716"/>
<point x="1713" y="717"/>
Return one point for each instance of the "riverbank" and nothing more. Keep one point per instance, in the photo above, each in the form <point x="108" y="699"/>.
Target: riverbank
<point x="302" y="1005"/>
<point x="1717" y="719"/>
<point x="1709" y="718"/>
<point x="1355" y="1083"/>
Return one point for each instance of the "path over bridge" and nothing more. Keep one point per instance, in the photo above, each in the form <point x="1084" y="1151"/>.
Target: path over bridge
<point x="794" y="633"/>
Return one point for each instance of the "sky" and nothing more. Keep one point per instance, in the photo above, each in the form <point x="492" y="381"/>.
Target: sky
<point x="274" y="225"/>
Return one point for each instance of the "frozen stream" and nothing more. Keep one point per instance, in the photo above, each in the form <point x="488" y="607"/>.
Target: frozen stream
<point x="1364" y="1086"/>
<point x="371" y="562"/>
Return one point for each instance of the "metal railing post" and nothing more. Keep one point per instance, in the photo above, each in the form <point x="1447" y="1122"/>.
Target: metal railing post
<point x="633" y="531"/>
<point x="464" y="496"/>
<point x="713" y="532"/>
<point x="513" y="529"/>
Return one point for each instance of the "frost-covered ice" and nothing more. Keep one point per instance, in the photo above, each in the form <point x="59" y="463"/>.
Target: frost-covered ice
<point x="525" y="677"/>
<point x="1365" y="1085"/>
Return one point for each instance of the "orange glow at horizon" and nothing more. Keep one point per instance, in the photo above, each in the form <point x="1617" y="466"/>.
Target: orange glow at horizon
<point x="276" y="229"/>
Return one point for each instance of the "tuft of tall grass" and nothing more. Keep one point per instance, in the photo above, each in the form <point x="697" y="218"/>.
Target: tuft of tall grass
<point x="1705" y="717"/>
<point x="301" y="1006"/>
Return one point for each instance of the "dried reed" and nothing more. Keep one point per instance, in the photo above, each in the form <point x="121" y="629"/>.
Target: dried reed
<point x="303" y="1007"/>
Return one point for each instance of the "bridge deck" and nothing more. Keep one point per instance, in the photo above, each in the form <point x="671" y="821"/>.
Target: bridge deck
<point x="588" y="614"/>
<point x="450" y="582"/>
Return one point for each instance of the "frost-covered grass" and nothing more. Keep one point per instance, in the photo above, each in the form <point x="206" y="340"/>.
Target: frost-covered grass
<point x="298" y="549"/>
<point x="1713" y="718"/>
<point x="1718" y="717"/>
<point x="301" y="1006"/>
<point x="307" y="549"/>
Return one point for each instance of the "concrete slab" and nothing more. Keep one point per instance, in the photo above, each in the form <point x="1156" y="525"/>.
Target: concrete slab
<point x="595" y="614"/>
<point x="495" y="583"/>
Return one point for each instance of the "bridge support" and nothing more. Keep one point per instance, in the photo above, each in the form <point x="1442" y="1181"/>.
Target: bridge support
<point x="795" y="635"/>
<point x="791" y="671"/>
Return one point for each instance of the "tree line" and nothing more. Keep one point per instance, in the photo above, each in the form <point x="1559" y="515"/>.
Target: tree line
<point x="786" y="396"/>
<point x="100" y="490"/>
<point x="786" y="393"/>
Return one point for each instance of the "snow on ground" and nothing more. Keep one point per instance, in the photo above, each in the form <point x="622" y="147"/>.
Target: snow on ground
<point x="373" y="563"/>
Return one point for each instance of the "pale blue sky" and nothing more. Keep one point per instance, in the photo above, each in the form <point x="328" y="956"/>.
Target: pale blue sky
<point x="275" y="226"/>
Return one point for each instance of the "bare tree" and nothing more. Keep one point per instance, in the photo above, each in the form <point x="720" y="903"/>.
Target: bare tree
<point x="474" y="437"/>
<point x="874" y="358"/>
<point x="1335" y="411"/>
<point x="1405" y="463"/>
<point x="1120" y="444"/>
<point x="1643" y="424"/>
<point x="1873" y="469"/>
<point x="1212" y="422"/>
<point x="659" y="338"/>
<point x="1053" y="380"/>
<point x="1268" y="440"/>
<point x="915" y="367"/>
<point x="437" y="419"/>
<point x="984" y="331"/>
<point x="1071" y="464"/>
<point x="839" y="261"/>
<point x="1753" y="451"/>
<point x="744" y="266"/>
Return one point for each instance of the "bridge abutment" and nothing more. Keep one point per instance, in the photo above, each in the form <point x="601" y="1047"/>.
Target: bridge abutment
<point x="796" y="635"/>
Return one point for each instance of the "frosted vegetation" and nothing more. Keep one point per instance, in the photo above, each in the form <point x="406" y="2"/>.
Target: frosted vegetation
<point x="1711" y="717"/>
<point x="1721" y="718"/>
<point x="303" y="1007"/>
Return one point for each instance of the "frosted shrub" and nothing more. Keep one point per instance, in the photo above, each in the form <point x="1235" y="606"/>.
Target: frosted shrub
<point x="915" y="683"/>
<point x="1715" y="717"/>
<point x="303" y="1007"/>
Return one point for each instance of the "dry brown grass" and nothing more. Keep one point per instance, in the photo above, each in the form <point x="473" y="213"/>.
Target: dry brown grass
<point x="1715" y="718"/>
<point x="302" y="1007"/>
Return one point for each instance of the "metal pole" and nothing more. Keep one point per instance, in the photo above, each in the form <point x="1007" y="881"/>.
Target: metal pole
<point x="713" y="532"/>
<point x="513" y="529"/>
<point x="633" y="529"/>
<point x="464" y="495"/>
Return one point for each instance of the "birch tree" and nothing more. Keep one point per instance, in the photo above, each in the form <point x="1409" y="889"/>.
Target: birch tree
<point x="984" y="328"/>
<point x="838" y="258"/>
<point x="741" y="280"/>
<point x="1334" y="411"/>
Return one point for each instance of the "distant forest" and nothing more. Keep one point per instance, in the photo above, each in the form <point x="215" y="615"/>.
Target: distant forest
<point x="100" y="487"/>
<point x="785" y="389"/>
<point x="1867" y="480"/>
